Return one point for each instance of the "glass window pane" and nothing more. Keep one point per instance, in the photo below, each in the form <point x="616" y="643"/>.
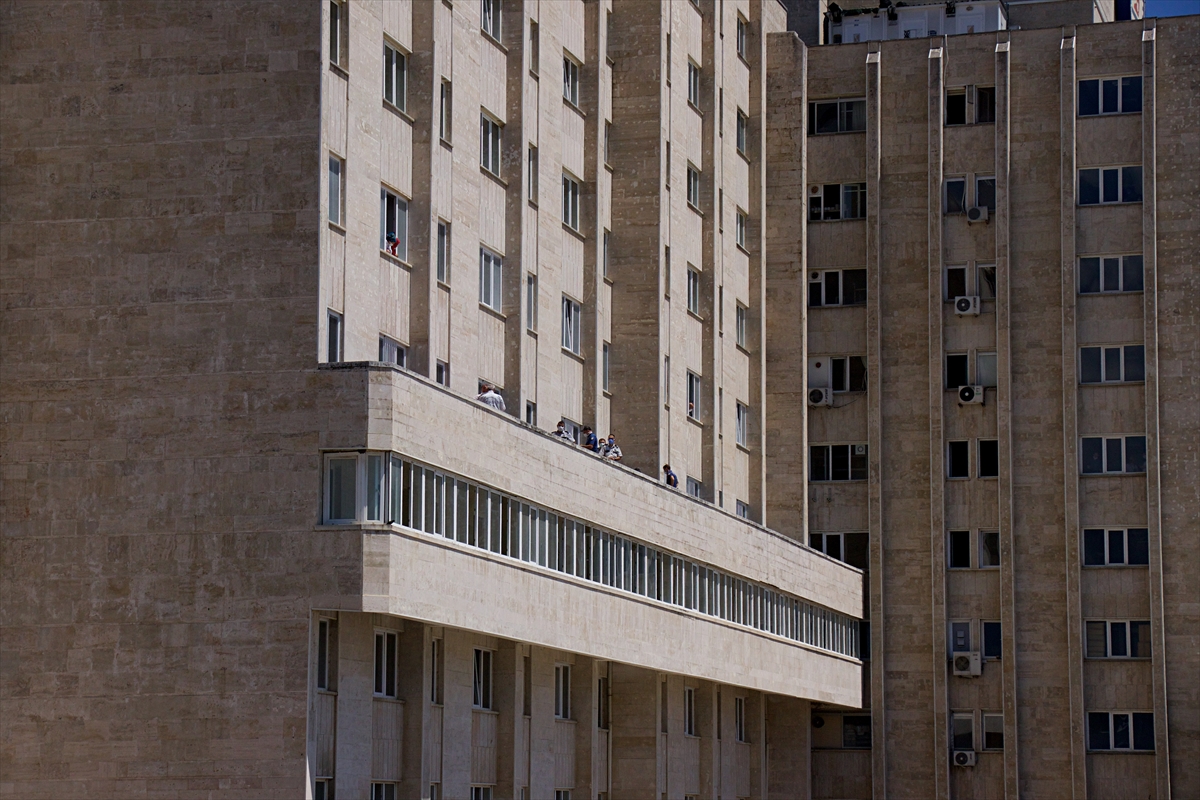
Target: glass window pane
<point x="342" y="489"/>
<point x="963" y="729"/>
<point x="1131" y="94"/>
<point x="1111" y="179"/>
<point x="992" y="640"/>
<point x="1089" y="187"/>
<point x="956" y="371"/>
<point x="1093" y="547"/>
<point x="993" y="731"/>
<point x="1120" y="740"/>
<point x="985" y="369"/>
<point x="856" y="732"/>
<point x="985" y="193"/>
<point x="858" y="462"/>
<point x="818" y="466"/>
<point x="1112" y="363"/>
<point x="985" y="283"/>
<point x="1116" y="547"/>
<point x="1109" y="96"/>
<point x="1131" y="184"/>
<point x="1132" y="274"/>
<point x="1098" y="731"/>
<point x="1112" y="455"/>
<point x="956" y="108"/>
<point x="1112" y="274"/>
<point x="1135" y="454"/>
<point x="1135" y="363"/>
<point x="989" y="458"/>
<point x="989" y="549"/>
<point x="1089" y="98"/>
<point x="1089" y="365"/>
<point x="1092" y="450"/>
<point x="833" y="288"/>
<point x="1089" y="275"/>
<point x="1143" y="731"/>
<point x="840" y="457"/>
<point x="1139" y="639"/>
<point x="827" y="117"/>
<point x="1095" y="643"/>
<point x="960" y="549"/>
<point x="956" y="196"/>
<point x="854" y="286"/>
<point x="956" y="282"/>
<point x="854" y="115"/>
<point x="833" y="201"/>
<point x="1139" y="546"/>
<point x="1117" y="646"/>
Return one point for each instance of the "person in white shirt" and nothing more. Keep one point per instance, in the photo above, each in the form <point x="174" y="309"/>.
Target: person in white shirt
<point x="489" y="396"/>
<point x="611" y="450"/>
<point x="562" y="432"/>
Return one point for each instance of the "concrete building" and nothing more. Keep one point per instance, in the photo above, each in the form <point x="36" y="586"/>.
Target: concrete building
<point x="262" y="540"/>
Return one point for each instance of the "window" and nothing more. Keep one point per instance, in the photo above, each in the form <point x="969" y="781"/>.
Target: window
<point x="957" y="370"/>
<point x="850" y="548"/>
<point x="532" y="173"/>
<point x="693" y="390"/>
<point x="335" y="32"/>
<point x="985" y="370"/>
<point x="383" y="791"/>
<point x="960" y="636"/>
<point x="323" y="789"/>
<point x="562" y="691"/>
<point x="489" y="144"/>
<point x="392" y="352"/>
<point x="337" y="189"/>
<point x="985" y="281"/>
<point x="837" y="116"/>
<point x="1124" y="639"/>
<point x="838" y="462"/>
<point x="531" y="302"/>
<point x="958" y="460"/>
<point x="962" y="731"/>
<point x="968" y="104"/>
<point x="956" y="106"/>
<point x="739" y="719"/>
<point x="1110" y="185"/>
<point x="856" y="732"/>
<point x="695" y="488"/>
<point x="562" y="794"/>
<point x="570" y="205"/>
<point x="743" y="34"/>
<point x="606" y="366"/>
<point x="446" y="113"/>
<point x="837" y="287"/>
<point x="743" y="510"/>
<point x="490" y="18"/>
<point x="989" y="458"/>
<point x="333" y="348"/>
<point x="739" y="325"/>
<point x="848" y="373"/>
<point x="606" y="253"/>
<point x="742" y="426"/>
<point x="534" y="47"/>
<point x="1110" y="274"/>
<point x="490" y="270"/>
<point x="570" y="80"/>
<point x="570" y="325"/>
<point x="689" y="712"/>
<point x="693" y="84"/>
<point x="668" y="55"/>
<point x="693" y="186"/>
<point x="482" y="792"/>
<point x="993" y="731"/>
<point x="395" y="77"/>
<point x="442" y="374"/>
<point x="956" y="282"/>
<point x="531" y="413"/>
<point x="1111" y="455"/>
<point x="1119" y="730"/>
<point x="481" y="680"/>
<point x="1110" y="96"/>
<point x="739" y="228"/>
<point x="993" y="642"/>
<point x="326" y="667"/>
<point x="393" y="224"/>
<point x="834" y="201"/>
<point x="1112" y="364"/>
<point x="436" y="673"/>
<point x="742" y="126"/>
<point x="956" y="195"/>
<point x="985" y="192"/>
<point x="443" y="252"/>
<point x="989" y="549"/>
<point x="603" y="704"/>
<point x="959" y="552"/>
<point x="985" y="104"/>
<point x="667" y="380"/>
<point x="1114" y="548"/>
<point x="386" y="657"/>
<point x="693" y="291"/>
<point x="435" y="791"/>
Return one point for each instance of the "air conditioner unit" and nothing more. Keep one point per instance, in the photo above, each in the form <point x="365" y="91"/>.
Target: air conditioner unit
<point x="970" y="395"/>
<point x="977" y="214"/>
<point x="820" y="397"/>
<point x="967" y="305"/>
<point x="967" y="665"/>
<point x="964" y="758"/>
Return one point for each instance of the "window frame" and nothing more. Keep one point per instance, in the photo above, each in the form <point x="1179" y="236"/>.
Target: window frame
<point x="1125" y="263"/>
<point x="741" y="424"/>
<point x="992" y="717"/>
<point x="984" y="179"/>
<point x="325" y="655"/>
<point x="742" y="36"/>
<point x="742" y="133"/>
<point x="1127" y="628"/>
<point x="689" y="712"/>
<point x="819" y="277"/>
<point x="693" y="83"/>
<point x="534" y="47"/>
<point x="490" y="18"/>
<point x="338" y="181"/>
<point x="482" y="694"/>
<point x="571" y="324"/>
<point x="395" y="71"/>
<point x="491" y="279"/>
<point x="740" y="324"/>
<point x="337" y="9"/>
<point x="695" y="390"/>
<point x="531" y="173"/>
<point x="531" y="302"/>
<point x="1106" y="454"/>
<point x="1124" y="352"/>
<point x="386" y="664"/>
<point x="844" y="118"/>
<point x="980" y="459"/>
<point x="739" y="721"/>
<point x="384" y="790"/>
<point x="846" y="210"/>
<point x="391" y="202"/>
<point x="956" y="471"/>
<point x="826" y="456"/>
<point x="740" y="220"/>
<point x="399" y="352"/>
<point x="1122" y="171"/>
<point x="570" y="198"/>
<point x="985" y="652"/>
<point x="962" y="727"/>
<point x="562" y="692"/>
<point x="693" y="186"/>
<point x="446" y="111"/>
<point x="693" y="290"/>
<point x="1120" y="81"/>
<point x="491" y="143"/>
<point x="959" y="206"/>
<point x="335" y="337"/>
<point x="571" y="68"/>
<point x="442" y="273"/>
<point x="1108" y="548"/>
<point x="1111" y="731"/>
<point x="606" y="367"/>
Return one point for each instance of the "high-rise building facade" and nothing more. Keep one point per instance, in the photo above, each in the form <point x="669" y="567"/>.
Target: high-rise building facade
<point x="298" y="496"/>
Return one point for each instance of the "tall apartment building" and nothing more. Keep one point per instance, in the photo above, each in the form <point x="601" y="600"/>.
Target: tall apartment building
<point x="261" y="540"/>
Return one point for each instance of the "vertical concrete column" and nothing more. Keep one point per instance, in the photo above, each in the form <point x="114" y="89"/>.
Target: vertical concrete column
<point x="415" y="687"/>
<point x="591" y="213"/>
<point x="756" y="729"/>
<point x="937" y="447"/>
<point x="875" y="432"/>
<point x="583" y="711"/>
<point x="1004" y="429"/>
<point x="710" y="747"/>
<point x="712" y="260"/>
<point x="356" y="676"/>
<point x="634" y="732"/>
<point x="1070" y="412"/>
<point x="789" y="749"/>
<point x="1158" y="643"/>
<point x="515" y="30"/>
<point x="541" y="722"/>
<point x="459" y="654"/>
<point x="424" y="88"/>
<point x="507" y="690"/>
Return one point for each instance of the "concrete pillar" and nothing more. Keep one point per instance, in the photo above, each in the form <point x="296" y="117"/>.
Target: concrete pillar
<point x="415" y="686"/>
<point x="583" y="710"/>
<point x="541" y="722"/>
<point x="356" y="676"/>
<point x="456" y="721"/>
<point x="635" y="726"/>
<point x="789" y="748"/>
<point x="508" y="692"/>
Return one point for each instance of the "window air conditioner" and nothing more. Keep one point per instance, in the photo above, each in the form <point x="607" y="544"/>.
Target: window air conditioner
<point x="970" y="395"/>
<point x="967" y="305"/>
<point x="964" y="758"/>
<point x="820" y="397"/>
<point x="977" y="214"/>
<point x="967" y="665"/>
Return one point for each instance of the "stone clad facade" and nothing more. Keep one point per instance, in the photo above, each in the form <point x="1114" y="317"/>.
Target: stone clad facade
<point x="260" y="540"/>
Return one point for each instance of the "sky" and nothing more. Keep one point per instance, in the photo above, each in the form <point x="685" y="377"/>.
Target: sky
<point x="1171" y="8"/>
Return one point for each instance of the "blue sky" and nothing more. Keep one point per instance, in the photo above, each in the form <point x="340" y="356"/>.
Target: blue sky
<point x="1171" y="8"/>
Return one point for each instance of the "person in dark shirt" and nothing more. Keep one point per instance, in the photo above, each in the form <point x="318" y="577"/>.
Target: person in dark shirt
<point x="672" y="478"/>
<point x="589" y="439"/>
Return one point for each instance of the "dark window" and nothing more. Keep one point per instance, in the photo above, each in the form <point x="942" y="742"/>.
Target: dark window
<point x="1089" y="275"/>
<point x="1135" y="363"/>
<point x="1089" y="365"/>
<point x="985" y="104"/>
<point x="992" y="641"/>
<point x="854" y="549"/>
<point x="989" y="458"/>
<point x="854" y="287"/>
<point x="1131" y="274"/>
<point x="985" y="193"/>
<point x="856" y="732"/>
<point x="1093" y="456"/>
<point x="1089" y="98"/>
<point x="956" y="195"/>
<point x="960" y="549"/>
<point x="989" y="549"/>
<point x="956" y="371"/>
<point x="956" y="282"/>
<point x="1116" y="547"/>
<point x="1139" y="639"/>
<point x="956" y="108"/>
<point x="1143" y="731"/>
<point x="1131" y="184"/>
<point x="1089" y="187"/>
<point x="1135" y="453"/>
<point x="959" y="463"/>
<point x="1093" y="547"/>
<point x="1139" y="546"/>
<point x="1098" y="732"/>
<point x="837" y="116"/>
<point x="1131" y="95"/>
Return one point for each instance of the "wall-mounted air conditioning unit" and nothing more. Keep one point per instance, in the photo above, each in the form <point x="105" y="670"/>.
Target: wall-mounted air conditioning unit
<point x="967" y="665"/>
<point x="970" y="395"/>
<point x="967" y="305"/>
<point x="977" y="214"/>
<point x="820" y="397"/>
<point x="964" y="758"/>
